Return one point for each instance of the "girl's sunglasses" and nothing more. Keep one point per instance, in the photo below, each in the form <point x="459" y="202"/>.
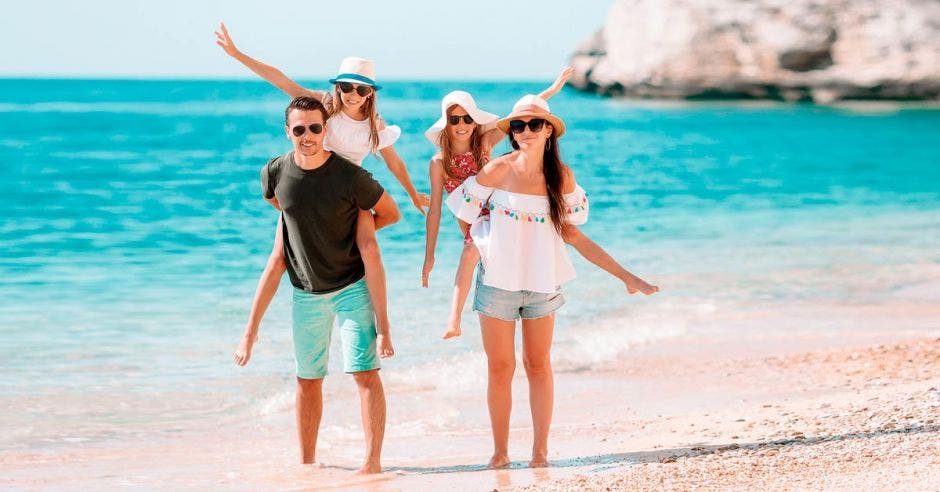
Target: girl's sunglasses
<point x="316" y="128"/>
<point x="518" y="126"/>
<point x="362" y="90"/>
<point x="453" y="120"/>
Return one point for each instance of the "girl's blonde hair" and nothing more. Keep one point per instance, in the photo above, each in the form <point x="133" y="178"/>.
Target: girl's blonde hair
<point x="368" y="107"/>
<point x="447" y="152"/>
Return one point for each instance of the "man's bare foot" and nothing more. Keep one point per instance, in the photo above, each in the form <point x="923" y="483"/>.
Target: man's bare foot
<point x="370" y="468"/>
<point x="498" y="461"/>
<point x="453" y="329"/>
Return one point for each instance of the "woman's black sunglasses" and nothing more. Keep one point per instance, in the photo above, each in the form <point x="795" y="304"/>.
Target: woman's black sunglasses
<point x="455" y="119"/>
<point x="362" y="90"/>
<point x="316" y="128"/>
<point x="518" y="126"/>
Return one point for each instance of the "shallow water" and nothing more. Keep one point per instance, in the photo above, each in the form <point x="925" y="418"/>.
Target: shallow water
<point x="133" y="232"/>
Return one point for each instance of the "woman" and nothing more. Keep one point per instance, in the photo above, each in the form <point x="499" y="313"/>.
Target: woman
<point x="534" y="206"/>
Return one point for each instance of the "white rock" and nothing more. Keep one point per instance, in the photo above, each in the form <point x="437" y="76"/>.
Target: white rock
<point x="824" y="50"/>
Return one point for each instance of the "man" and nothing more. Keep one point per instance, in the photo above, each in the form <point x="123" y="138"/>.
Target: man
<point x="322" y="196"/>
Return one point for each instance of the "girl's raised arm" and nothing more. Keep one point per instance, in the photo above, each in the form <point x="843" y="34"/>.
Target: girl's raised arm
<point x="267" y="72"/>
<point x="559" y="82"/>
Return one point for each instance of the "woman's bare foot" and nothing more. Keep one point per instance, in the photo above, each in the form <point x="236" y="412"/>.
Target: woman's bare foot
<point x="498" y="461"/>
<point x="539" y="462"/>
<point x="453" y="329"/>
<point x="370" y="468"/>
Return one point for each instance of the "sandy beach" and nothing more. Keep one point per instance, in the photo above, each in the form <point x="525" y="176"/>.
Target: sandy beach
<point x="843" y="409"/>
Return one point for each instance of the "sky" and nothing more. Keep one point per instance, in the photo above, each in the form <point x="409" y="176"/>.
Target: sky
<point x="408" y="39"/>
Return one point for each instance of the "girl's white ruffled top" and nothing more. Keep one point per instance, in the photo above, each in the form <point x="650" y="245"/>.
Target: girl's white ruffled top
<point x="519" y="246"/>
<point x="351" y="138"/>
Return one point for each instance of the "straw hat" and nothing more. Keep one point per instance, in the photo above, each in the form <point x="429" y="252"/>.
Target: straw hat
<point x="535" y="107"/>
<point x="357" y="71"/>
<point x="465" y="101"/>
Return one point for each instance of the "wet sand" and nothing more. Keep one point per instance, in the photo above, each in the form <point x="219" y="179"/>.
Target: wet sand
<point x="836" y="410"/>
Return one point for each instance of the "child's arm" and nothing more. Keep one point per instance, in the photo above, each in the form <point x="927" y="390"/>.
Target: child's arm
<point x="468" y="260"/>
<point x="432" y="223"/>
<point x="267" y="287"/>
<point x="559" y="82"/>
<point x="397" y="167"/>
<point x="274" y="76"/>
<point x="375" y="280"/>
<point x="592" y="252"/>
<point x="493" y="136"/>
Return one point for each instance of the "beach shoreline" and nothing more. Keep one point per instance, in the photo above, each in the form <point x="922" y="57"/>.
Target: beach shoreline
<point x="762" y="410"/>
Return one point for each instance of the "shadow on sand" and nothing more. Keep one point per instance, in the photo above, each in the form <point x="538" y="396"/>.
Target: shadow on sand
<point x="613" y="460"/>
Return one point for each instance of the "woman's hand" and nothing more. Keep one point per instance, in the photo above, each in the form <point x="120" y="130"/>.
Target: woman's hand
<point x="636" y="284"/>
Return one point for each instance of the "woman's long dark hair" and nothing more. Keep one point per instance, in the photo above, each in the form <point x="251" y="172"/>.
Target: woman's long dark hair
<point x="553" y="169"/>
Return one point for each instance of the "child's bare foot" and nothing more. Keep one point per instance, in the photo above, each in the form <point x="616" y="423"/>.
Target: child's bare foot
<point x="243" y="352"/>
<point x="383" y="343"/>
<point x="453" y="329"/>
<point x="369" y="468"/>
<point x="498" y="461"/>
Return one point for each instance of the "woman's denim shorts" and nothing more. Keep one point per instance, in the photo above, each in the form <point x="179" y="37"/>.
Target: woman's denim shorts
<point x="509" y="305"/>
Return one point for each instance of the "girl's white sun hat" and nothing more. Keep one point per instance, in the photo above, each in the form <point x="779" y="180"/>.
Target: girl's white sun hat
<point x="463" y="99"/>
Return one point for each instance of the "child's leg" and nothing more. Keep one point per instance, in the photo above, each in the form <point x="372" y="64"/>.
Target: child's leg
<point x="375" y="278"/>
<point x="264" y="293"/>
<point x="468" y="260"/>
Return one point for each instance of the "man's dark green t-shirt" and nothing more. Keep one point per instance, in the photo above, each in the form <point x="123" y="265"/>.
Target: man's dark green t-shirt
<point x="320" y="208"/>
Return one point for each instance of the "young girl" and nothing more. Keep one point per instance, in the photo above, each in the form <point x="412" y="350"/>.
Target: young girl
<point x="534" y="205"/>
<point x="465" y="136"/>
<point x="355" y="127"/>
<point x="354" y="130"/>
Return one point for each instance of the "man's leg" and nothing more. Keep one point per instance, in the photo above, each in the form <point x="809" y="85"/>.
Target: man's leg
<point x="313" y="322"/>
<point x="372" y="407"/>
<point x="356" y="321"/>
<point x="309" y="406"/>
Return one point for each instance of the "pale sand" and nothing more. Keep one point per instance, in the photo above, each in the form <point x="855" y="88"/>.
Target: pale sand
<point x="846" y="419"/>
<point x="835" y="410"/>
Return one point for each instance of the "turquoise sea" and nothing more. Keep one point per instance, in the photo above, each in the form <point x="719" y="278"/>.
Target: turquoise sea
<point x="132" y="234"/>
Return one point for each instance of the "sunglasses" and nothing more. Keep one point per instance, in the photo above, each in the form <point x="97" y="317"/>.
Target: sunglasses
<point x="518" y="126"/>
<point x="362" y="90"/>
<point x="455" y="119"/>
<point x="316" y="128"/>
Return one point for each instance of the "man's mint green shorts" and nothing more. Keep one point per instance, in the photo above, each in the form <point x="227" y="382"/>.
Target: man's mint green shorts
<point x="313" y="325"/>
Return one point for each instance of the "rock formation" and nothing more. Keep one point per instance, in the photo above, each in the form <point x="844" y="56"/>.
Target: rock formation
<point x="823" y="50"/>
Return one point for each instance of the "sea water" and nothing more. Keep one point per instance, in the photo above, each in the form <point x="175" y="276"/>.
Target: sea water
<point x="133" y="232"/>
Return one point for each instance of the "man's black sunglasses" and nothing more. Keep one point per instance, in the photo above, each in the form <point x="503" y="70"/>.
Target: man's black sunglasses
<point x="299" y="130"/>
